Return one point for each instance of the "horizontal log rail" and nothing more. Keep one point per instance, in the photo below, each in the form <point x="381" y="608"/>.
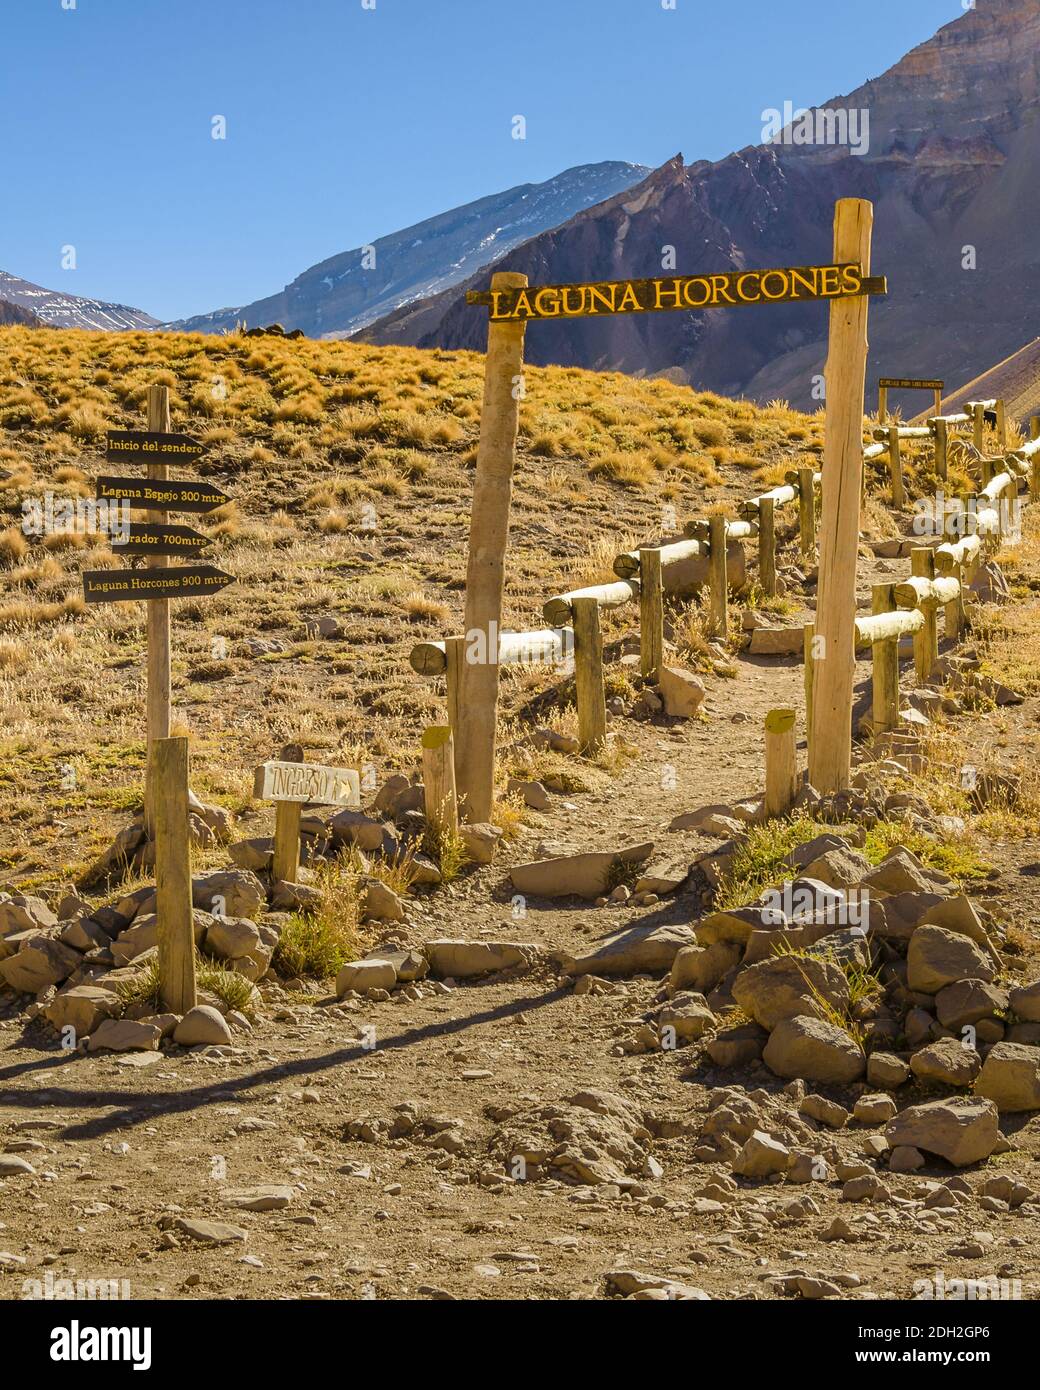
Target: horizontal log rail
<point x="626" y="566"/>
<point x="915" y="591"/>
<point x="543" y="646"/>
<point x="559" y="611"/>
<point x="881" y="627"/>
<point x="735" y="530"/>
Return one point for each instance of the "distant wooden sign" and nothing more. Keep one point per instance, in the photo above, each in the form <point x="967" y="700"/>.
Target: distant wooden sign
<point x="151" y="446"/>
<point x="123" y="586"/>
<point x="308" y="783"/>
<point x="167" y="495"/>
<point x="911" y="383"/>
<point x="724" y="290"/>
<point x="158" y="538"/>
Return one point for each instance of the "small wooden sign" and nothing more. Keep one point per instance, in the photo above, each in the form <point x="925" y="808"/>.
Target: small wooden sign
<point x="157" y="538"/>
<point x="910" y="383"/>
<point x="150" y="446"/>
<point x="691" y="292"/>
<point x="308" y="783"/>
<point x="161" y="496"/>
<point x="123" y="586"/>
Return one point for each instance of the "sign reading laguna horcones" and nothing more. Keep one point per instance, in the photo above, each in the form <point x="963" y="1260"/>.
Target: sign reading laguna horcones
<point x="307" y="782"/>
<point x="126" y="586"/>
<point x="690" y="292"/>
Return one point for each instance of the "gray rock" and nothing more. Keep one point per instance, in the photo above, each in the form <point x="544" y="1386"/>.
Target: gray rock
<point x="202" y="1025"/>
<point x="814" y="1050"/>
<point x="579" y="875"/>
<point x="963" y="1130"/>
<point x="1010" y="1077"/>
<point x="937" y="958"/>
<point x="946" y="1062"/>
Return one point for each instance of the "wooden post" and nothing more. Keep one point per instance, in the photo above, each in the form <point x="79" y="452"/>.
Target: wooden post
<point x="809" y="659"/>
<point x="885" y="667"/>
<point x="286" y="864"/>
<point x="978" y="426"/>
<point x="485" y="571"/>
<point x="882" y="405"/>
<point x="438" y="759"/>
<point x="830" y="744"/>
<point x="942" y="448"/>
<point x="781" y="763"/>
<point x="938" y="401"/>
<point x="1034" y="427"/>
<point x="157" y="717"/>
<point x="895" y="467"/>
<point x="588" y="675"/>
<point x="985" y="471"/>
<point x="173" y="900"/>
<point x="926" y="640"/>
<point x="651" y="614"/>
<point x="718" y="582"/>
<point x="1001" y="425"/>
<point x="955" y="614"/>
<point x="767" y="546"/>
<point x="454" y="656"/>
<point x="807" y="511"/>
<point x="1034" y="480"/>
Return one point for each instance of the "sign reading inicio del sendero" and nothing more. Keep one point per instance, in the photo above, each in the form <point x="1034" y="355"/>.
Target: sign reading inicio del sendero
<point x="307" y="782"/>
<point x="150" y="446"/>
<point x="724" y="290"/>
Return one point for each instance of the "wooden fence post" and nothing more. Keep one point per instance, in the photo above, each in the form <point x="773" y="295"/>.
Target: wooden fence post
<point x="454" y="658"/>
<point x="781" y="762"/>
<point x="882" y="405"/>
<point x="1034" y="427"/>
<point x="767" y="546"/>
<point x="942" y="448"/>
<point x="718" y="582"/>
<point x="926" y="640"/>
<point x="651" y="614"/>
<point x="1034" y="480"/>
<point x="807" y="511"/>
<point x="938" y="401"/>
<point x="1001" y="424"/>
<point x="438" y="759"/>
<point x="978" y="424"/>
<point x="173" y="897"/>
<point x="157" y="718"/>
<point x="884" y="667"/>
<point x="830" y="744"/>
<point x="588" y="675"/>
<point x="895" y="467"/>
<point x="485" y="571"/>
<point x="286" y="862"/>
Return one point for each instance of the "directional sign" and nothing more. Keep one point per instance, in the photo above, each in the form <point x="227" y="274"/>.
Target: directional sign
<point x="148" y="446"/>
<point x="158" y="538"/>
<point x="307" y="782"/>
<point x="161" y="496"/>
<point x="724" y="290"/>
<point x="910" y="383"/>
<point x="120" y="586"/>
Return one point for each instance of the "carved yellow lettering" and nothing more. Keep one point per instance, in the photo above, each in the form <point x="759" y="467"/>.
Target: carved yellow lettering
<point x="629" y="299"/>
<point x="720" y="290"/>
<point x="745" y="296"/>
<point x="600" y="293"/>
<point x="661" y="290"/>
<point x="775" y="275"/>
<point x="548" y="308"/>
<point x="688" y="296"/>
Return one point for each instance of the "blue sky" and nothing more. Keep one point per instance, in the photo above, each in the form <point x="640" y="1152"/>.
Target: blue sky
<point x="346" y="123"/>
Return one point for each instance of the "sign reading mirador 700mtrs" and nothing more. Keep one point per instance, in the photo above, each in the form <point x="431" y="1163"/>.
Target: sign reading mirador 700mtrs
<point x="308" y="782"/>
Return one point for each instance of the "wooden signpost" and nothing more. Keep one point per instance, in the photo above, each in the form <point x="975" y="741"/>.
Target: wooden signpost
<point x="907" y="383"/>
<point x="157" y="447"/>
<point x="293" y="784"/>
<point x="173" y="896"/>
<point x="511" y="304"/>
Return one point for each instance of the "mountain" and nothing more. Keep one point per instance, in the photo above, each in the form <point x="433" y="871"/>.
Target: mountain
<point x="952" y="164"/>
<point x="58" y="310"/>
<point x="15" y="314"/>
<point x="342" y="294"/>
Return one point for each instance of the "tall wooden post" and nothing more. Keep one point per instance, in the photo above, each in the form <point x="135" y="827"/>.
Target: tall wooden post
<point x="942" y="447"/>
<point x="978" y="426"/>
<point x="485" y="571"/>
<point x="173" y="904"/>
<point x="938" y="401"/>
<point x="895" y="467"/>
<point x="882" y="405"/>
<point x="718" y="580"/>
<point x="809" y="658"/>
<point x="287" y="815"/>
<point x="781" y="763"/>
<point x="884" y="676"/>
<point x="157" y="717"/>
<point x="454" y="657"/>
<point x="807" y="511"/>
<point x="651" y="615"/>
<point x="588" y="675"/>
<point x="767" y="546"/>
<point x="438" y="760"/>
<point x="926" y="640"/>
<point x="830" y="744"/>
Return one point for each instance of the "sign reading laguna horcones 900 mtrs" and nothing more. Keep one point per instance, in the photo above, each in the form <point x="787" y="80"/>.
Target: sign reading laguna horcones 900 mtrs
<point x="724" y="290"/>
